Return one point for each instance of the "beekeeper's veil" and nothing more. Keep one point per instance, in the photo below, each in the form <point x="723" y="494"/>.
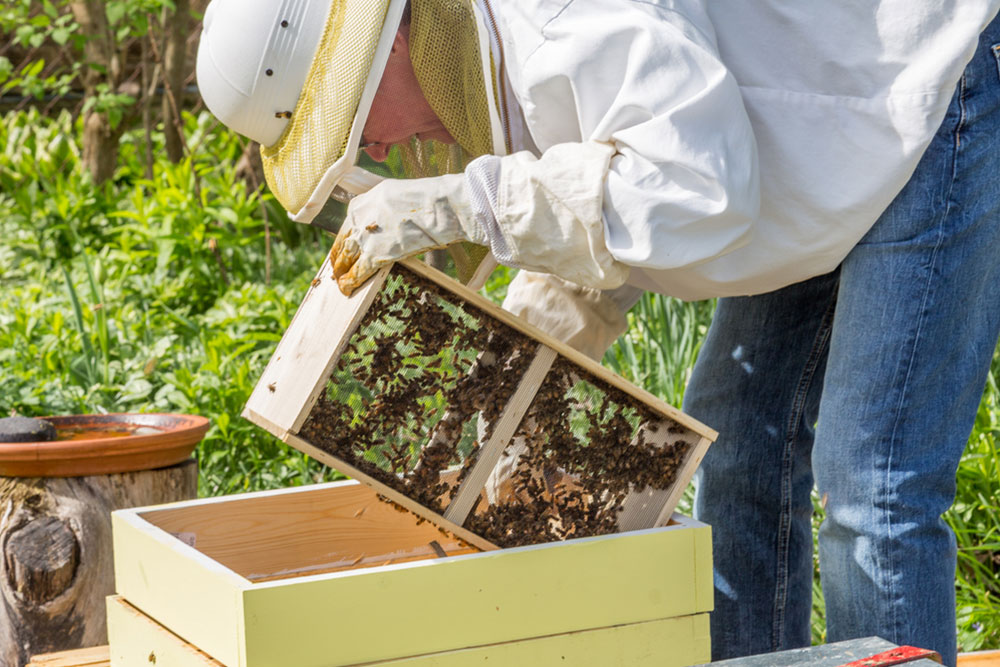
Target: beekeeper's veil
<point x="298" y="76"/>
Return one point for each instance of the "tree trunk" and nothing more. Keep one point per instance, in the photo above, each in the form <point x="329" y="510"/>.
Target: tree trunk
<point x="175" y="28"/>
<point x="101" y="65"/>
<point x="57" y="566"/>
<point x="100" y="146"/>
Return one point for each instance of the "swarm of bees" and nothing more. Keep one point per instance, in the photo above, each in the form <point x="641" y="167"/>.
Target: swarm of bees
<point x="406" y="397"/>
<point x="424" y="377"/>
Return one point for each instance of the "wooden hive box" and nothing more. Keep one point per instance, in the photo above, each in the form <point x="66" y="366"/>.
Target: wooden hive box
<point x="469" y="416"/>
<point x="331" y="575"/>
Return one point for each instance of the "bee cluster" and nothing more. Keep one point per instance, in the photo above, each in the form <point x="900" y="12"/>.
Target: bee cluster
<point x="424" y="377"/>
<point x="404" y="401"/>
<point x="579" y="452"/>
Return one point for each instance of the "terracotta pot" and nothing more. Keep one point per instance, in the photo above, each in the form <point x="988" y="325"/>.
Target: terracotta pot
<point x="104" y="444"/>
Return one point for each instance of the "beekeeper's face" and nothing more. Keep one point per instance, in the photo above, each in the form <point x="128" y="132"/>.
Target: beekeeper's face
<point x="399" y="109"/>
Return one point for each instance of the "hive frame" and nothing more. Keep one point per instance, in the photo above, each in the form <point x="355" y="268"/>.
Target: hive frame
<point x="319" y="333"/>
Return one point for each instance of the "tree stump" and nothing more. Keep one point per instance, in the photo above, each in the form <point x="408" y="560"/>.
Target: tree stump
<point x="57" y="565"/>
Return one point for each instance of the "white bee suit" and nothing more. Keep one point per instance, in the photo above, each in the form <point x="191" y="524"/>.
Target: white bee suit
<point x="756" y="141"/>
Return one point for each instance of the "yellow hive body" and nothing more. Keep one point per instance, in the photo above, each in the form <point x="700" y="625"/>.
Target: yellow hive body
<point x="331" y="575"/>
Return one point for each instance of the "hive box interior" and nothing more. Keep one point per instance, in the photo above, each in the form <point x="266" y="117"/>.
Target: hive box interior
<point x="269" y="537"/>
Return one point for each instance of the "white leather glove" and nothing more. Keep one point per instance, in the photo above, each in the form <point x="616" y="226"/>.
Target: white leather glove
<point x="398" y="219"/>
<point x="586" y="319"/>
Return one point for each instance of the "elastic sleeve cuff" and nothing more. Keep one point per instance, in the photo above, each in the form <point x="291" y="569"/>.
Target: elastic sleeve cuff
<point x="482" y="180"/>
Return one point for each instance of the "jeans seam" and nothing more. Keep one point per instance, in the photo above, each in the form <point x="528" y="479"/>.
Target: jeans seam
<point x="996" y="54"/>
<point x="959" y="125"/>
<point x="889" y="578"/>
<point x="792" y="426"/>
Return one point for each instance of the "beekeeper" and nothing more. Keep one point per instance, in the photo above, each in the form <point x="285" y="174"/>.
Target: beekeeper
<point x="697" y="149"/>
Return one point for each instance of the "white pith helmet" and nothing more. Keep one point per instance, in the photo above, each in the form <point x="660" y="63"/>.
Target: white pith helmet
<point x="298" y="76"/>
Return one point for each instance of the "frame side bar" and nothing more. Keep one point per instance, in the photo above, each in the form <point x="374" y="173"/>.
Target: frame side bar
<point x="684" y="476"/>
<point x="513" y="412"/>
<point x="304" y="358"/>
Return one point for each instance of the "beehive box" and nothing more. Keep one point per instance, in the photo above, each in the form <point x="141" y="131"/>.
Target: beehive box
<point x="331" y="575"/>
<point x="471" y="417"/>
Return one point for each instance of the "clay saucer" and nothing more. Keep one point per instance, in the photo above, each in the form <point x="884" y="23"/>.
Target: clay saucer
<point x="104" y="444"/>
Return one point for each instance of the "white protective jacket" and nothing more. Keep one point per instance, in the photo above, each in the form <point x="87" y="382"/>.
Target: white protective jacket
<point x="733" y="146"/>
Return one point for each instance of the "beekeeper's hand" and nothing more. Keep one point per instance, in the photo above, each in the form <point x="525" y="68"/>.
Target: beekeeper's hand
<point x="398" y="219"/>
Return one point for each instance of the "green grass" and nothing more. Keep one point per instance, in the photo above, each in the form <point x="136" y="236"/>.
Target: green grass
<point x="152" y="295"/>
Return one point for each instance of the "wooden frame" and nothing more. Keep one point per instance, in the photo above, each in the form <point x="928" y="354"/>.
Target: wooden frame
<point x="317" y="336"/>
<point x="399" y="610"/>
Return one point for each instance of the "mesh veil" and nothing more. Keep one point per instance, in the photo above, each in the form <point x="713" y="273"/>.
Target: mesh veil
<point x="444" y="50"/>
<point x="319" y="128"/>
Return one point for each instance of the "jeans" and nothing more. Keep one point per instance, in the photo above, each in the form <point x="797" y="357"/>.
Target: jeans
<point x="865" y="381"/>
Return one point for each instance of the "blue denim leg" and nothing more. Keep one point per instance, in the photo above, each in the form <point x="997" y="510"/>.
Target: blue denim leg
<point x="757" y="381"/>
<point x="915" y="329"/>
<point x="910" y="321"/>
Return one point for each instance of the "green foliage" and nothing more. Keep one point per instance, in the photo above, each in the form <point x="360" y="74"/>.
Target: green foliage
<point x="32" y="24"/>
<point x="133" y="297"/>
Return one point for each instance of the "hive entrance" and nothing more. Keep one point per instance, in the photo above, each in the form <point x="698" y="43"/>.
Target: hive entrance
<point x="475" y="420"/>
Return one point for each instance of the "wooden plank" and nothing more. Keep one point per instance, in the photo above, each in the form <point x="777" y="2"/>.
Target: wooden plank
<point x="684" y="476"/>
<point x="979" y="659"/>
<point x="339" y="527"/>
<point x="588" y="364"/>
<point x="489" y="454"/>
<point x="304" y="358"/>
<point x="428" y="607"/>
<point x="668" y="642"/>
<point x="95" y="656"/>
<point x="137" y="639"/>
<point x="198" y="598"/>
<point x="389" y="492"/>
<point x="483" y="271"/>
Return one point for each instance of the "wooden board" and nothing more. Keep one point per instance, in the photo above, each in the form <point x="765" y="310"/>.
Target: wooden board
<point x="178" y="585"/>
<point x="413" y="608"/>
<point x="96" y="656"/>
<point x="305" y="355"/>
<point x="671" y="642"/>
<point x="135" y="639"/>
<point x="979" y="659"/>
